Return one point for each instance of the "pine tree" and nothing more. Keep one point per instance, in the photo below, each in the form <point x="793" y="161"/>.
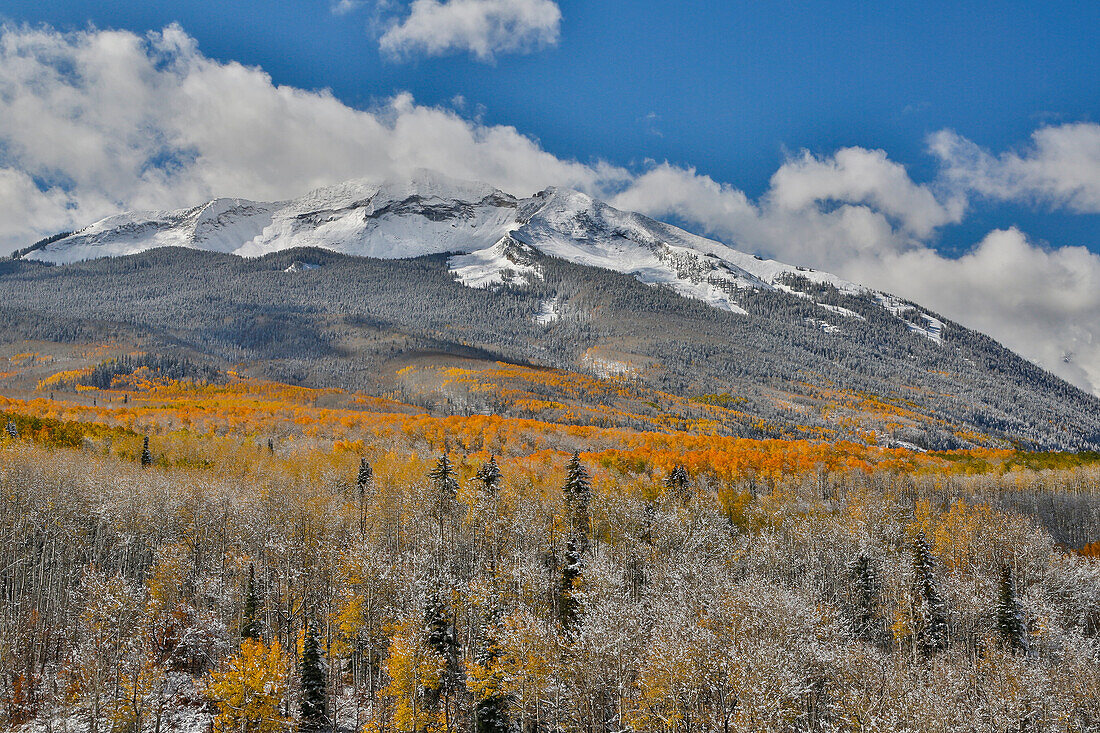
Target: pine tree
<point x="490" y="477"/>
<point x="250" y="623"/>
<point x="568" y="606"/>
<point x="933" y="634"/>
<point x="363" y="483"/>
<point x="578" y="494"/>
<point x="676" y="484"/>
<point x="146" y="455"/>
<point x="445" y="484"/>
<point x="13" y="432"/>
<point x="866" y="622"/>
<point x="440" y="635"/>
<point x="364" y="478"/>
<point x="313" y="715"/>
<point x="486" y="682"/>
<point x="1010" y="615"/>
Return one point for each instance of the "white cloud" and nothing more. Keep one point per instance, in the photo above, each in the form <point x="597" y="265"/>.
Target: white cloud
<point x="108" y="120"/>
<point x="344" y="7"/>
<point x="483" y="28"/>
<point x="96" y="122"/>
<point x="1061" y="167"/>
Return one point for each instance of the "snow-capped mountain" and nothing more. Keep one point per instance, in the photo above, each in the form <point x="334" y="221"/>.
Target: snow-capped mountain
<point x="491" y="233"/>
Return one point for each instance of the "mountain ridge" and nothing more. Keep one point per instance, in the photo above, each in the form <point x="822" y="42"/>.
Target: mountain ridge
<point x="483" y="227"/>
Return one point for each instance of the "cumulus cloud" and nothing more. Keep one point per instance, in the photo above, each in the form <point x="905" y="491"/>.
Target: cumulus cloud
<point x="1061" y="167"/>
<point x="97" y="122"/>
<point x="483" y="28"/>
<point x="100" y="121"/>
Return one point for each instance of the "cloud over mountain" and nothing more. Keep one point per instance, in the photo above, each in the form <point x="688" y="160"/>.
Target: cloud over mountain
<point x="95" y="122"/>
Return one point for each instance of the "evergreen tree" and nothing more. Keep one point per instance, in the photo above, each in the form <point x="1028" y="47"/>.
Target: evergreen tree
<point x="363" y="482"/>
<point x="491" y="708"/>
<point x="1010" y="615"/>
<point x="568" y="606"/>
<point x="578" y="494"/>
<point x="13" y="432"/>
<point x="146" y="455"/>
<point x="364" y="478"/>
<point x="250" y="623"/>
<point x="445" y="484"/>
<point x="440" y="634"/>
<point x="676" y="484"/>
<point x="490" y="477"/>
<point x="932" y="636"/>
<point x="313" y="715"/>
<point x="866" y="622"/>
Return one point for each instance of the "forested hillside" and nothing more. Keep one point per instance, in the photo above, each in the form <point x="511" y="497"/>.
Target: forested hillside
<point x="810" y="361"/>
<point x="285" y="586"/>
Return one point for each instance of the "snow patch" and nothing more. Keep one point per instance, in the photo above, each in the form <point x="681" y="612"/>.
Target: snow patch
<point x="842" y="311"/>
<point x="824" y="325"/>
<point x="505" y="263"/>
<point x="299" y="266"/>
<point x="549" y="311"/>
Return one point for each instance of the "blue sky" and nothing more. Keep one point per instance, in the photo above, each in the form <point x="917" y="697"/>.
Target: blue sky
<point x="732" y="84"/>
<point x="948" y="151"/>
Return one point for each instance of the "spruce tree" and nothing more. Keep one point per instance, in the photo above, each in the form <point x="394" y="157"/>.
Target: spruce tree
<point x="439" y="629"/>
<point x="676" y="484"/>
<point x="146" y="455"/>
<point x="491" y="711"/>
<point x="1010" y="615"/>
<point x="578" y="494"/>
<point x="363" y="478"/>
<point x="313" y="715"/>
<point x="444" y="483"/>
<point x="866" y="621"/>
<point x="13" y="432"/>
<point x="250" y="623"/>
<point x="490" y="477"/>
<point x="363" y="482"/>
<point x="932" y="636"/>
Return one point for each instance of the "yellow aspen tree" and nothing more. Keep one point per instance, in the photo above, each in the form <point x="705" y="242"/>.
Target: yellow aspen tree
<point x="414" y="670"/>
<point x="249" y="690"/>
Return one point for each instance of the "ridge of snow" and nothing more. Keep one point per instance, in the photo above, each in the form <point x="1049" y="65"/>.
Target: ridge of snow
<point x="492" y="238"/>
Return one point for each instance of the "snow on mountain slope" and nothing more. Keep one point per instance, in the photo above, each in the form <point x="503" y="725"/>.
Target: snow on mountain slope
<point x="495" y="237"/>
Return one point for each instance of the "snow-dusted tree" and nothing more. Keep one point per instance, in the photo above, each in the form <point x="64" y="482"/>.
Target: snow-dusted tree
<point x="578" y="495"/>
<point x="486" y="680"/>
<point x="313" y="715"/>
<point x="441" y="637"/>
<point x="932" y="634"/>
<point x="444" y="485"/>
<point x="866" y="622"/>
<point x="250" y="621"/>
<point x="1010" y="615"/>
<point x="489" y="476"/>
<point x="676" y="485"/>
<point x="146" y="455"/>
<point x="13" y="431"/>
<point x="364" y="481"/>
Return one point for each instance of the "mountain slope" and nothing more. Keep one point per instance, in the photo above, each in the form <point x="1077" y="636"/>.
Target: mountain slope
<point x="450" y="276"/>
<point x="433" y="214"/>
